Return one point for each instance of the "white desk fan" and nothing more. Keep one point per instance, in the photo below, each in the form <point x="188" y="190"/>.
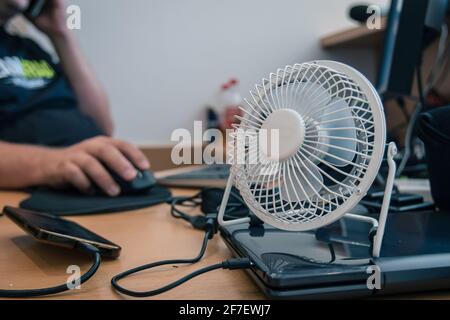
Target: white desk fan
<point x="332" y="137"/>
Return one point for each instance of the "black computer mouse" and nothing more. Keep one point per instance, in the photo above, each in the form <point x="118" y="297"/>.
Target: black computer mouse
<point x="144" y="181"/>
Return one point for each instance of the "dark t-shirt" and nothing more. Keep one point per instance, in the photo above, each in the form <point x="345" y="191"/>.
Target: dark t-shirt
<point x="37" y="104"/>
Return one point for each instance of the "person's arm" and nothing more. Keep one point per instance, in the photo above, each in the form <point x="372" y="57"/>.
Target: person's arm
<point x="90" y="94"/>
<point x="20" y="170"/>
<point x="81" y="165"/>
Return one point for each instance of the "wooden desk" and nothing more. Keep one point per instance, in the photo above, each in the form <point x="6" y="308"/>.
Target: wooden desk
<point x="145" y="235"/>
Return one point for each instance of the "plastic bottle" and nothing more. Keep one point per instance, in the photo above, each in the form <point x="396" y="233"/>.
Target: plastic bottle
<point x="231" y="101"/>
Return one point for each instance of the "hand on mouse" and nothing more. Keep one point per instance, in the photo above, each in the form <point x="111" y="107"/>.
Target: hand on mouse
<point x="83" y="164"/>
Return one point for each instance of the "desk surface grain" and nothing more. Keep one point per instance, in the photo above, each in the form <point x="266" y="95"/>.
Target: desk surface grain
<point x="145" y="235"/>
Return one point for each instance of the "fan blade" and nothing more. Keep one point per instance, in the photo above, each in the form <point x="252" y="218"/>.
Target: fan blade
<point x="301" y="183"/>
<point x="298" y="96"/>
<point x="307" y="96"/>
<point x="339" y="116"/>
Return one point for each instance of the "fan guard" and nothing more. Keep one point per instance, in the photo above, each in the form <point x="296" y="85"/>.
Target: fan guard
<point x="340" y="153"/>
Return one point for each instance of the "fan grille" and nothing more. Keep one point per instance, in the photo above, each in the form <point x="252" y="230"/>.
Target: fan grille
<point x="340" y="154"/>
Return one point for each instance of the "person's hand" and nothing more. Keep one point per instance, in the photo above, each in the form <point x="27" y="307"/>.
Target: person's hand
<point x="52" y="20"/>
<point x="83" y="164"/>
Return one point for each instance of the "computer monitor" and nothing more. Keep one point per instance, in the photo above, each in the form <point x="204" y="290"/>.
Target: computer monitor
<point x="411" y="23"/>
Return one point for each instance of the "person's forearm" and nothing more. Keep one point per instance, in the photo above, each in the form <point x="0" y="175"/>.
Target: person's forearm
<point x="91" y="96"/>
<point x="22" y="166"/>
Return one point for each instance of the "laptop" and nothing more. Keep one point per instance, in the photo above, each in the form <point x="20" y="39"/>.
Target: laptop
<point x="335" y="262"/>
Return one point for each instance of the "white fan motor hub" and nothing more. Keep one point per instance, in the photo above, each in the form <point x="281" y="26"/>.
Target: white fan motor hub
<point x="291" y="128"/>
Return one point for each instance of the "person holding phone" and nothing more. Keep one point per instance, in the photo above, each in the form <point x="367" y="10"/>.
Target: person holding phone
<point x="55" y="120"/>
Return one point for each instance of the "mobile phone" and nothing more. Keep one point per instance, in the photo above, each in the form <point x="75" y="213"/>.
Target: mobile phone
<point x="35" y="8"/>
<point x="57" y="231"/>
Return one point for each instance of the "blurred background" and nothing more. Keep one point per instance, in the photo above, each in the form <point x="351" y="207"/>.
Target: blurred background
<point x="162" y="62"/>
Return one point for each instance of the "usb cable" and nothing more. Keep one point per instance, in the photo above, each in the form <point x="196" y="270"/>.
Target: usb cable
<point x="210" y="230"/>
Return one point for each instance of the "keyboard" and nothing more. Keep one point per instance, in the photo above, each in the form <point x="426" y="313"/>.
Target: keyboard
<point x="206" y="176"/>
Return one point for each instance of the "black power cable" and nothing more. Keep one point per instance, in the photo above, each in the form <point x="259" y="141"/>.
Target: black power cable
<point x="210" y="229"/>
<point x="236" y="207"/>
<point x="84" y="247"/>
<point x="232" y="264"/>
<point x="421" y="88"/>
<point x="207" y="223"/>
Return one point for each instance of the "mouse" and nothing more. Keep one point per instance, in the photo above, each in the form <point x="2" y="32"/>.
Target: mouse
<point x="144" y="181"/>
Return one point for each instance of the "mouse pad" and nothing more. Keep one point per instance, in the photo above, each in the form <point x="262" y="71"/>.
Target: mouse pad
<point x="66" y="203"/>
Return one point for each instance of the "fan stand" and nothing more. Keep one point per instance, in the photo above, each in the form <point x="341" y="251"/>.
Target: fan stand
<point x="379" y="224"/>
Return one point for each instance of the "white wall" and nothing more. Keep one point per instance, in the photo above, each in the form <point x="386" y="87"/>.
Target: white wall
<point x="163" y="60"/>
